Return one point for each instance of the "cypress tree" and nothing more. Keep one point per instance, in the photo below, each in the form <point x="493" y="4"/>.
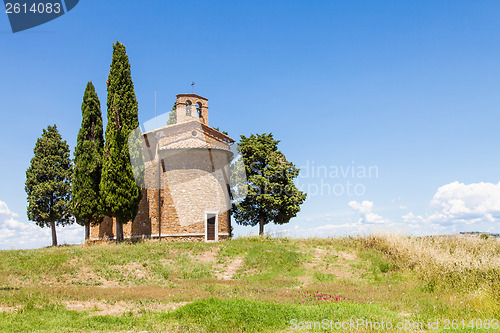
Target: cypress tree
<point x="48" y="182"/>
<point x="120" y="194"/>
<point x="88" y="163"/>
<point x="172" y="116"/>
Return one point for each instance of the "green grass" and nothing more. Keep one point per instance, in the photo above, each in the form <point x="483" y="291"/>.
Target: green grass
<point x="210" y="315"/>
<point x="248" y="284"/>
<point x="215" y="315"/>
<point x="56" y="318"/>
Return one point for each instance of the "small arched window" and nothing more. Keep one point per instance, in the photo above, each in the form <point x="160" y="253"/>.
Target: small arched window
<point x="198" y="109"/>
<point x="188" y="107"/>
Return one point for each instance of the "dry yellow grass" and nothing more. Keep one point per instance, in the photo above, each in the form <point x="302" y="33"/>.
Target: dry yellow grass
<point x="468" y="264"/>
<point x="450" y="253"/>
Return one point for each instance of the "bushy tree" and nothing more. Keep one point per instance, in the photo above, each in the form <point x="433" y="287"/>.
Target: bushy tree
<point x="88" y="163"/>
<point x="48" y="182"/>
<point x="272" y="195"/>
<point x="120" y="193"/>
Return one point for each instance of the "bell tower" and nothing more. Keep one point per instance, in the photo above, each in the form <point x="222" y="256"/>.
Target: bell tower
<point x="192" y="107"/>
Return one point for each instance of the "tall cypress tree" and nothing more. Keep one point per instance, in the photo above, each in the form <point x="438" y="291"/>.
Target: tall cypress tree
<point x="120" y="194"/>
<point x="88" y="163"/>
<point x="48" y="182"/>
<point x="172" y="116"/>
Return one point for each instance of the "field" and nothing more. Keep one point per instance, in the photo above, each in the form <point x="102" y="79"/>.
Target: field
<point x="255" y="285"/>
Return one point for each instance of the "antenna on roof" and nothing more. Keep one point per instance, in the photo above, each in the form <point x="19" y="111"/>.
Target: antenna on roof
<point x="156" y="118"/>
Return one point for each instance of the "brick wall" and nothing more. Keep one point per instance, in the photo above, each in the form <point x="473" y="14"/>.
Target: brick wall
<point x="186" y="177"/>
<point x="194" y="183"/>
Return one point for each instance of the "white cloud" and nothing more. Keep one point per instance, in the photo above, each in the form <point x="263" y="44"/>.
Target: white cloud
<point x="15" y="234"/>
<point x="419" y="225"/>
<point x="367" y="216"/>
<point x="5" y="211"/>
<point x="456" y="205"/>
<point x="458" y="202"/>
<point x="362" y="207"/>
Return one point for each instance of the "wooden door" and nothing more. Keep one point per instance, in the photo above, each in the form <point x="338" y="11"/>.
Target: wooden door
<point x="211" y="227"/>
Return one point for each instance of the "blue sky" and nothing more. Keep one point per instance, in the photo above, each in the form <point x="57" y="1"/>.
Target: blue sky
<point x="411" y="88"/>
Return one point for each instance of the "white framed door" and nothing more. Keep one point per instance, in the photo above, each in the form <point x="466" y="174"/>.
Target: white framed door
<point x="211" y="227"/>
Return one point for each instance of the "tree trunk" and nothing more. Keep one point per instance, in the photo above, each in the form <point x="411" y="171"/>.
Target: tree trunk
<point x="119" y="230"/>
<point x="54" y="236"/>
<point x="87" y="231"/>
<point x="261" y="226"/>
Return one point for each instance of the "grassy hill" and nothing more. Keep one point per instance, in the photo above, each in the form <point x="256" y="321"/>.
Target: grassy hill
<point x="253" y="284"/>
